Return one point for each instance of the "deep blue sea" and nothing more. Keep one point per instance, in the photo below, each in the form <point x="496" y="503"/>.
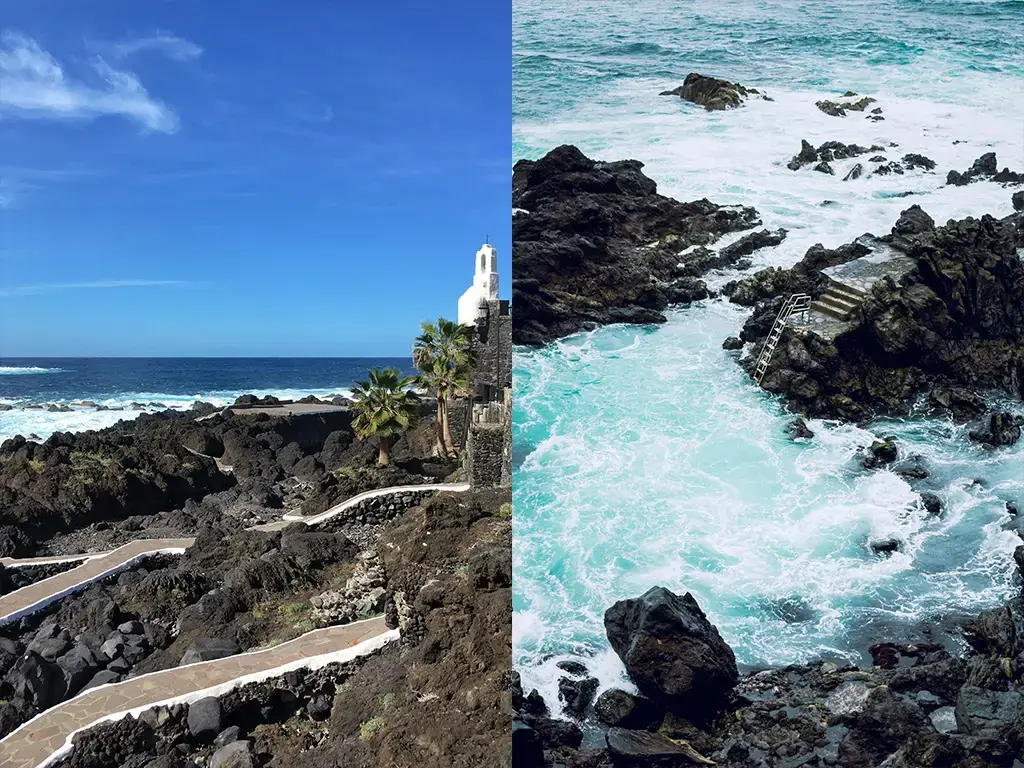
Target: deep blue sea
<point x="158" y="383"/>
<point x="644" y="455"/>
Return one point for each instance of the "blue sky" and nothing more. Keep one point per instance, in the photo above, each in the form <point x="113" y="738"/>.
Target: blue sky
<point x="186" y="177"/>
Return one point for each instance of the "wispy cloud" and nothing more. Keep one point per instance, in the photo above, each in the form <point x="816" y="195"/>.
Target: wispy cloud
<point x="171" y="46"/>
<point x="17" y="183"/>
<point x="29" y="290"/>
<point x="34" y="85"/>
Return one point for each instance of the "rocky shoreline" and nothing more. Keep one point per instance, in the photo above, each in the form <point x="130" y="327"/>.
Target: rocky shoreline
<point x="939" y="333"/>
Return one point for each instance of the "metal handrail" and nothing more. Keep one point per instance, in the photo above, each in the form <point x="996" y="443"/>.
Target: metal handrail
<point x="797" y="304"/>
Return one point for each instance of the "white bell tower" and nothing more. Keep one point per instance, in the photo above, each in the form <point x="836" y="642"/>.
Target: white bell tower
<point x="484" y="288"/>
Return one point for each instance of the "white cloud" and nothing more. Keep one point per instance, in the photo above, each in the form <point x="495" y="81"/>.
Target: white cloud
<point x="27" y="290"/>
<point x="34" y="85"/>
<point x="172" y="46"/>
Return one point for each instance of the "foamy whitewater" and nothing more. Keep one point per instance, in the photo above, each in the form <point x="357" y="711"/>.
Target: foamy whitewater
<point x="123" y="385"/>
<point x="645" y="455"/>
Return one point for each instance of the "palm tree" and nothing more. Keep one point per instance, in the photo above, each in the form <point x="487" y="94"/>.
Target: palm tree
<point x="386" y="407"/>
<point x="444" y="356"/>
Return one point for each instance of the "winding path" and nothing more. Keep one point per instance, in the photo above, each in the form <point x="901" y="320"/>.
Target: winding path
<point x="48" y="736"/>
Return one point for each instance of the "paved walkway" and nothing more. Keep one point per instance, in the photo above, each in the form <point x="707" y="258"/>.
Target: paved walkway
<point x="48" y="736"/>
<point x="24" y="601"/>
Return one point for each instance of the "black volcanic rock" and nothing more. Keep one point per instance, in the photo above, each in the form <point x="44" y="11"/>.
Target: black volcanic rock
<point x="711" y="93"/>
<point x="594" y="243"/>
<point x="985" y="168"/>
<point x="670" y="649"/>
<point x="953" y="324"/>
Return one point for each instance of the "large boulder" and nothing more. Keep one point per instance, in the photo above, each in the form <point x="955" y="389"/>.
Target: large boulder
<point x="670" y="649"/>
<point x="205" y="718"/>
<point x="642" y="749"/>
<point x="37" y="681"/>
<point x="209" y="648"/>
<point x="998" y="430"/>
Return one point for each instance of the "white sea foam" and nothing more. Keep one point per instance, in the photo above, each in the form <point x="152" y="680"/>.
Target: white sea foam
<point x="13" y="370"/>
<point x="43" y="423"/>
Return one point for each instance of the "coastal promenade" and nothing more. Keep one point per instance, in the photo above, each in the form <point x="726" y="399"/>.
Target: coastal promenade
<point x="48" y="735"/>
<point x="99" y="565"/>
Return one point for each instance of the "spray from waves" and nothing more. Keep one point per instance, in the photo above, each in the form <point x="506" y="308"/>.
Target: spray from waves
<point x="42" y="423"/>
<point x="648" y="459"/>
<point x="6" y="370"/>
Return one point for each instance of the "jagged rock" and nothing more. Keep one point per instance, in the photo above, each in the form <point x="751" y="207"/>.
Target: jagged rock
<point x="855" y="173"/>
<point x="1018" y="201"/>
<point x="797" y="429"/>
<point x="711" y="92"/>
<point x="913" y="160"/>
<point x="824" y="167"/>
<point x="985" y="168"/>
<point x="36" y="680"/>
<point x="557" y="733"/>
<point x="932" y="503"/>
<point x="670" y="650"/>
<point x="78" y="665"/>
<point x="50" y="641"/>
<point x="1000" y="429"/>
<point x="594" y="229"/>
<point x="732" y="343"/>
<point x="577" y="695"/>
<point x="996" y="715"/>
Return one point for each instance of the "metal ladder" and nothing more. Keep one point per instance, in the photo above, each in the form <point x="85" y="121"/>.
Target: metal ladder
<point x="798" y="303"/>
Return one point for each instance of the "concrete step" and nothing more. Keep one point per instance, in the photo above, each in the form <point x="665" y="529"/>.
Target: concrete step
<point x="847" y="290"/>
<point x="839" y="300"/>
<point x="831" y="310"/>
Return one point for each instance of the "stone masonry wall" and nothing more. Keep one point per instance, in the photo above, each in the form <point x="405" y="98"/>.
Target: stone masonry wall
<point x="362" y="522"/>
<point x="494" y="351"/>
<point x="486" y="454"/>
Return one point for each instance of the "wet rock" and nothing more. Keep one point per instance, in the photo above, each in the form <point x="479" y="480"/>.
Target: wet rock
<point x="824" y="167"/>
<point x="855" y="173"/>
<point x="932" y="503"/>
<point x="912" y="161"/>
<point x="573" y="667"/>
<point x="577" y="695"/>
<point x="557" y="733"/>
<point x="642" y="749"/>
<point x="1001" y="429"/>
<point x="1018" y="201"/>
<point x="961" y="403"/>
<point x="797" y="429"/>
<point x="886" y="546"/>
<point x="618" y="708"/>
<point x="205" y="718"/>
<point x="880" y="453"/>
<point x="711" y="93"/>
<point x="732" y="343"/>
<point x="985" y="168"/>
<point x="670" y="650"/>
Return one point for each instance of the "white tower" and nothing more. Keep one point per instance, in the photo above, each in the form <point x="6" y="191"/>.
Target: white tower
<point x="484" y="288"/>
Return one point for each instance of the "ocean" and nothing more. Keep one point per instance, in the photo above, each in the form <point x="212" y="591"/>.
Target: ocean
<point x="644" y="455"/>
<point x="159" y="383"/>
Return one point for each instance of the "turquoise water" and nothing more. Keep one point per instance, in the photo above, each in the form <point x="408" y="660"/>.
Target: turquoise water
<point x="644" y="455"/>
